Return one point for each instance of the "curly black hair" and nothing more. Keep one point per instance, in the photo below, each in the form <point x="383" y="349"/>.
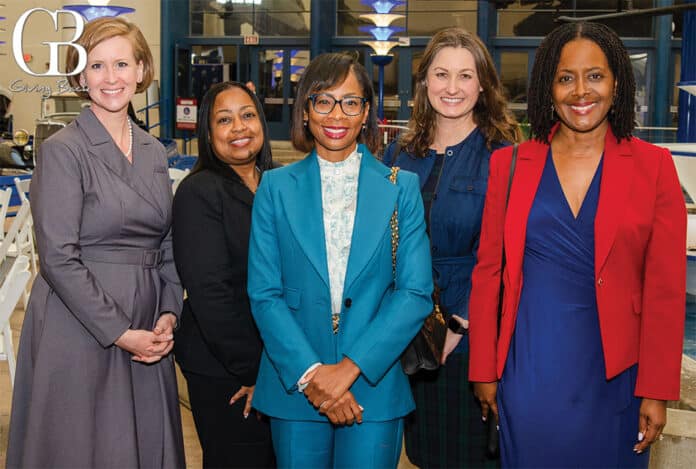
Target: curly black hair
<point x="540" y="109"/>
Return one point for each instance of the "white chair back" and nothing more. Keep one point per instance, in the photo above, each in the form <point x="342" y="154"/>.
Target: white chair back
<point x="12" y="288"/>
<point x="25" y="238"/>
<point x="5" y="196"/>
<point x="177" y="175"/>
<point x="23" y="186"/>
<point x="12" y="235"/>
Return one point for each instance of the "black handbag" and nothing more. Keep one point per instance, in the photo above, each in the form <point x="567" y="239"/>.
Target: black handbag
<point x="425" y="350"/>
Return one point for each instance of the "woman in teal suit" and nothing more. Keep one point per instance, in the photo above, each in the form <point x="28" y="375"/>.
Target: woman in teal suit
<point x="333" y="312"/>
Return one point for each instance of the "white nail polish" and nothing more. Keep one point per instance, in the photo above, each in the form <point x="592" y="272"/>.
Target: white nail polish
<point x="640" y="436"/>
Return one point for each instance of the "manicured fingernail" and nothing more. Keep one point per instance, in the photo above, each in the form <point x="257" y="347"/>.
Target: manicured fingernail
<point x="639" y="451"/>
<point x="231" y="401"/>
<point x="497" y="427"/>
<point x="483" y="417"/>
<point x="361" y="407"/>
<point x="640" y="436"/>
<point x="246" y="416"/>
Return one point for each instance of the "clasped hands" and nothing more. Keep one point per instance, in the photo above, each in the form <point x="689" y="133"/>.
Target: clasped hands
<point x="150" y="346"/>
<point x="328" y="391"/>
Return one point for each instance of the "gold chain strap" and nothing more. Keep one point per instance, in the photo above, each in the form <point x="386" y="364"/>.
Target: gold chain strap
<point x="394" y="224"/>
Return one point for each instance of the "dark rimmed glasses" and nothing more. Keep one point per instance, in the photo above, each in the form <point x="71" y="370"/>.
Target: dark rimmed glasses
<point x="325" y="103"/>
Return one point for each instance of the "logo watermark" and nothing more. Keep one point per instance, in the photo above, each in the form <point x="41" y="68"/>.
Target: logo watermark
<point x="53" y="46"/>
<point x="62" y="86"/>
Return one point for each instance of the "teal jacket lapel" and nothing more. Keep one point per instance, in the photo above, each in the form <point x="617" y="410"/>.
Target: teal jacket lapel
<point x="377" y="197"/>
<point x="303" y="208"/>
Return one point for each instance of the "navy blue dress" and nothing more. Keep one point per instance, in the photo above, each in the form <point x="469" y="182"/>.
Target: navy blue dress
<point x="557" y="408"/>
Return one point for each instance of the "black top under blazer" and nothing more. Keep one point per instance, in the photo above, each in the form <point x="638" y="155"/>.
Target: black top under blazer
<point x="211" y="221"/>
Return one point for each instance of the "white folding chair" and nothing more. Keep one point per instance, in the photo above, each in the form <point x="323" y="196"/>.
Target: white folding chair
<point x="8" y="244"/>
<point x="25" y="240"/>
<point x="20" y="240"/>
<point x="11" y="289"/>
<point x="177" y="175"/>
<point x="5" y="196"/>
<point x="13" y="285"/>
<point x="23" y="186"/>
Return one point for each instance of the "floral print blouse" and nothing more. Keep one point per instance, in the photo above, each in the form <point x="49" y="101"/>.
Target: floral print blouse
<point x="339" y="195"/>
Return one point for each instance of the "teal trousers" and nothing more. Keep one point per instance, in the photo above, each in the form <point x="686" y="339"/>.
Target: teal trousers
<point x="304" y="444"/>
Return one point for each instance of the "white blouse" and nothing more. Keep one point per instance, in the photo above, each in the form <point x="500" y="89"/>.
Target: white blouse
<point x="339" y="195"/>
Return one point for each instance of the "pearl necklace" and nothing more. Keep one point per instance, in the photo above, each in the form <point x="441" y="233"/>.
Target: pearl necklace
<point x="130" y="137"/>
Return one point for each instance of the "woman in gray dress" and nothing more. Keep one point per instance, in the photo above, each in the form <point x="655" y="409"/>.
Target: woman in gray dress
<point x="95" y="384"/>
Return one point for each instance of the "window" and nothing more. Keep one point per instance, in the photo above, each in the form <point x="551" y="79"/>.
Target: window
<point x="247" y="17"/>
<point x="537" y="18"/>
<point x="514" y="73"/>
<point x="423" y="17"/>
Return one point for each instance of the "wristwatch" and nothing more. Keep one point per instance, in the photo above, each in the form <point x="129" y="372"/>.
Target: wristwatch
<point x="455" y="326"/>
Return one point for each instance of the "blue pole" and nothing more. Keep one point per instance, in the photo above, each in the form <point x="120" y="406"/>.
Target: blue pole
<point x="687" y="101"/>
<point x="381" y="61"/>
<point x="663" y="87"/>
<point x="380" y="109"/>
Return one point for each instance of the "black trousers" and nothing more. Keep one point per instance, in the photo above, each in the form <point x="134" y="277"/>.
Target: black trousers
<point x="227" y="438"/>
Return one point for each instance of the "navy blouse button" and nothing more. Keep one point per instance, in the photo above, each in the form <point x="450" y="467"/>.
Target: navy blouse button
<point x="348" y="302"/>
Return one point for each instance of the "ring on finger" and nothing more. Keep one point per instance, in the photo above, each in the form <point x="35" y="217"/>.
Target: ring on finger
<point x="661" y="437"/>
<point x="322" y="404"/>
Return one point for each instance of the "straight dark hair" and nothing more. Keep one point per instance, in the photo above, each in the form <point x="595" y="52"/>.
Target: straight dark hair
<point x="540" y="103"/>
<point x="324" y="72"/>
<point x="207" y="159"/>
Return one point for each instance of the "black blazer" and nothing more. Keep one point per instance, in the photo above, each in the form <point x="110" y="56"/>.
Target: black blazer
<point x="211" y="221"/>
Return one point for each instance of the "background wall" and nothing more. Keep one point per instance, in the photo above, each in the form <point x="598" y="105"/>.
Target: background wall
<point x="26" y="105"/>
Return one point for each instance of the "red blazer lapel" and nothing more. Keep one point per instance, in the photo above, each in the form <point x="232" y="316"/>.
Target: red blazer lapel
<point x="531" y="158"/>
<point x="617" y="173"/>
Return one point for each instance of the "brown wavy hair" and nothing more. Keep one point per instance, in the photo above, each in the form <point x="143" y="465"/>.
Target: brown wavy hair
<point x="101" y="29"/>
<point x="491" y="115"/>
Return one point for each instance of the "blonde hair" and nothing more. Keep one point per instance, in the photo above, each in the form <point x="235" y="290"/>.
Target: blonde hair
<point x="101" y="29"/>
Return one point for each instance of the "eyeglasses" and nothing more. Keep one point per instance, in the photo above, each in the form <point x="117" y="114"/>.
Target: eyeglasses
<point x="325" y="103"/>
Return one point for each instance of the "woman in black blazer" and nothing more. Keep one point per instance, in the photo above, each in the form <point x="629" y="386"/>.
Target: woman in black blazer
<point x="217" y="345"/>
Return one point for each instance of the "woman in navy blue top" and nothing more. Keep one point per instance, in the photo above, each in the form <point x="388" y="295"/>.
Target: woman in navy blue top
<point x="459" y="118"/>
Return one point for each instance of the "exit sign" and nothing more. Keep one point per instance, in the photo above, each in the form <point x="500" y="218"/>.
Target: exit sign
<point x="251" y="40"/>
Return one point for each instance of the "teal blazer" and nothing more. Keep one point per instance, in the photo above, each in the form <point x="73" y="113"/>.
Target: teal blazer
<point x="289" y="288"/>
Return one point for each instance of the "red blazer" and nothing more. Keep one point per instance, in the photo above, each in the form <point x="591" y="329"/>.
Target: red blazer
<point x="640" y="262"/>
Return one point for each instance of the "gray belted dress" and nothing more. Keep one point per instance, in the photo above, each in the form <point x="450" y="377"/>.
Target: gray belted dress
<point x="103" y="234"/>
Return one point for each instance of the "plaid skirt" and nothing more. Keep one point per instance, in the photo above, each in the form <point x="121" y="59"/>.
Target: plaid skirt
<point x="446" y="430"/>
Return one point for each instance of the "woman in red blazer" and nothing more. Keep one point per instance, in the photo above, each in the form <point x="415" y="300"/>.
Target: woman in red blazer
<point x="588" y="347"/>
